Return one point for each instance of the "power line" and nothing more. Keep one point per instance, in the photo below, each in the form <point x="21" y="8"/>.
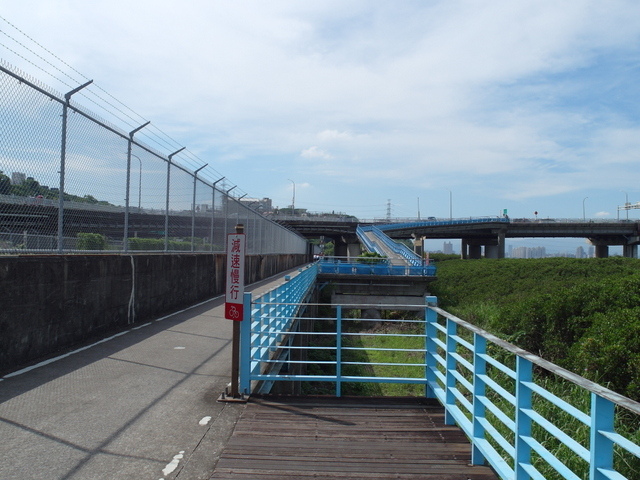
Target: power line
<point x="152" y="134"/>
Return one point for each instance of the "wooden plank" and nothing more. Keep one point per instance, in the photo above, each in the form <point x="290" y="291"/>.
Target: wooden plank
<point x="348" y="438"/>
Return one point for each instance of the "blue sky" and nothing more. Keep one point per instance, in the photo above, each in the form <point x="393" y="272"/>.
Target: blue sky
<point x="526" y="106"/>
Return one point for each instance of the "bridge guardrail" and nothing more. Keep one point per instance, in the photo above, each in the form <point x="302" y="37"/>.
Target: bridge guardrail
<point x="501" y="396"/>
<point x="513" y="420"/>
<point x="372" y="266"/>
<point x="270" y="318"/>
<point x="398" y="248"/>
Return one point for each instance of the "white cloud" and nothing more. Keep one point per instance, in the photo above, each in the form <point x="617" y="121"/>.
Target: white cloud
<point x="315" y="152"/>
<point x="516" y="99"/>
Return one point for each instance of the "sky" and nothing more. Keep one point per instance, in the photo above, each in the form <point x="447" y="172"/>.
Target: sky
<point x="409" y="108"/>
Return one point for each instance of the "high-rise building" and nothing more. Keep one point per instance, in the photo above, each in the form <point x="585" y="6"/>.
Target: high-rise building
<point x="18" y="178"/>
<point x="447" y="248"/>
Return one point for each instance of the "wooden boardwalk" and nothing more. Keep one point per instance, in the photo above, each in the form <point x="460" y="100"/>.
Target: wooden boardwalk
<point x="346" y="438"/>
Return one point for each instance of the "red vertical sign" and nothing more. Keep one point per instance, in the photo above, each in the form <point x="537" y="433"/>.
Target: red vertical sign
<point x="235" y="277"/>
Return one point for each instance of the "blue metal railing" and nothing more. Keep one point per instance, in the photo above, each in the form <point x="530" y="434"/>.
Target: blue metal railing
<point x="495" y="392"/>
<point x="465" y="221"/>
<point x="398" y="248"/>
<point x="508" y="413"/>
<point x="372" y="266"/>
<point x="268" y="320"/>
<point x="369" y="244"/>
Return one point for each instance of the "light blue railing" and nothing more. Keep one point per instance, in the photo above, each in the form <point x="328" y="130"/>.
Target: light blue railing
<point x="457" y="221"/>
<point x="372" y="266"/>
<point x="268" y="320"/>
<point x="398" y="248"/>
<point x="369" y="244"/>
<point x="498" y="394"/>
<point x="510" y="416"/>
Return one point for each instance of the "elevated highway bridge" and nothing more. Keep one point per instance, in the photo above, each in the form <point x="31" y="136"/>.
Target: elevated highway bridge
<point x="476" y="234"/>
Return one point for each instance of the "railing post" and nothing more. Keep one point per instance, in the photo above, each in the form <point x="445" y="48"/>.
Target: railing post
<point x="431" y="317"/>
<point x="479" y="369"/>
<point x="338" y="350"/>
<point x="524" y="373"/>
<point x="601" y="448"/>
<point x="245" y="346"/>
<point x="451" y="363"/>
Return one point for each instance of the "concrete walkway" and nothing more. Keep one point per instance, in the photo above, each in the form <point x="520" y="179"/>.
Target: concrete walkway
<point x="139" y="405"/>
<point x="394" y="258"/>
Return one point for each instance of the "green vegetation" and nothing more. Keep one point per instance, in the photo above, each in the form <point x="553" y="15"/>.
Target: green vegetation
<point x="32" y="188"/>
<point x="370" y="257"/>
<point x="583" y="315"/>
<point x="91" y="241"/>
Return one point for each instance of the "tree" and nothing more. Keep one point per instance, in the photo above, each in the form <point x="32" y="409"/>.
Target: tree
<point x="5" y="184"/>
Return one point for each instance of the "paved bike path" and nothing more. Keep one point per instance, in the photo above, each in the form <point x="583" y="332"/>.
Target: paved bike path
<point x="139" y="405"/>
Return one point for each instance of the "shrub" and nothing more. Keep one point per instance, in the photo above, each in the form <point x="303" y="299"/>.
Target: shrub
<point x="91" y="241"/>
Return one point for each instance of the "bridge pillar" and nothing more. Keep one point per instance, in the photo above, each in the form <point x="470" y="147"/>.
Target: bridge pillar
<point x="495" y="250"/>
<point x="418" y="246"/>
<point x="341" y="249"/>
<point x="630" y="251"/>
<point x="471" y="248"/>
<point x="354" y="249"/>
<point x="491" y="251"/>
<point x="475" y="252"/>
<point x="602" y="251"/>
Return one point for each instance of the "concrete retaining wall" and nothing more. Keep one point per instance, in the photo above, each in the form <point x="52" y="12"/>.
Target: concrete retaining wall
<point x="50" y="303"/>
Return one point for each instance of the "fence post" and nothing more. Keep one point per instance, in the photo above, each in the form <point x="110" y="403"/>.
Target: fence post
<point x="601" y="448"/>
<point x="193" y="207"/>
<point x="524" y="373"/>
<point x="166" y="213"/>
<point x="338" y="350"/>
<point x="431" y="317"/>
<point x="127" y="200"/>
<point x="245" y="346"/>
<point x="450" y="399"/>
<point x="213" y="210"/>
<point x="479" y="369"/>
<point x="63" y="159"/>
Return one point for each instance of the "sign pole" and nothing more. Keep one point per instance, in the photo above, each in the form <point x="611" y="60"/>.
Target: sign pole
<point x="234" y="303"/>
<point x="235" y="360"/>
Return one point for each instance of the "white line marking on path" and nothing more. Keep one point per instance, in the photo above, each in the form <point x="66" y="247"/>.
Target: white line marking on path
<point x="173" y="464"/>
<point x="60" y="357"/>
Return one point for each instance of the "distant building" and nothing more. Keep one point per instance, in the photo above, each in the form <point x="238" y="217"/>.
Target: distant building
<point x="18" y="178"/>
<point x="528" y="252"/>
<point x="447" y="248"/>
<point x="580" y="253"/>
<point x="519" y="252"/>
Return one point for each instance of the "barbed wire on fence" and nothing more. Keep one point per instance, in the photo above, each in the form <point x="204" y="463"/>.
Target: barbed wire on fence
<point x="84" y="183"/>
<point x="44" y="60"/>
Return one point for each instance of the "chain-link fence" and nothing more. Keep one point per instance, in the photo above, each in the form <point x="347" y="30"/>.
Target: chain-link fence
<point x="70" y="181"/>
